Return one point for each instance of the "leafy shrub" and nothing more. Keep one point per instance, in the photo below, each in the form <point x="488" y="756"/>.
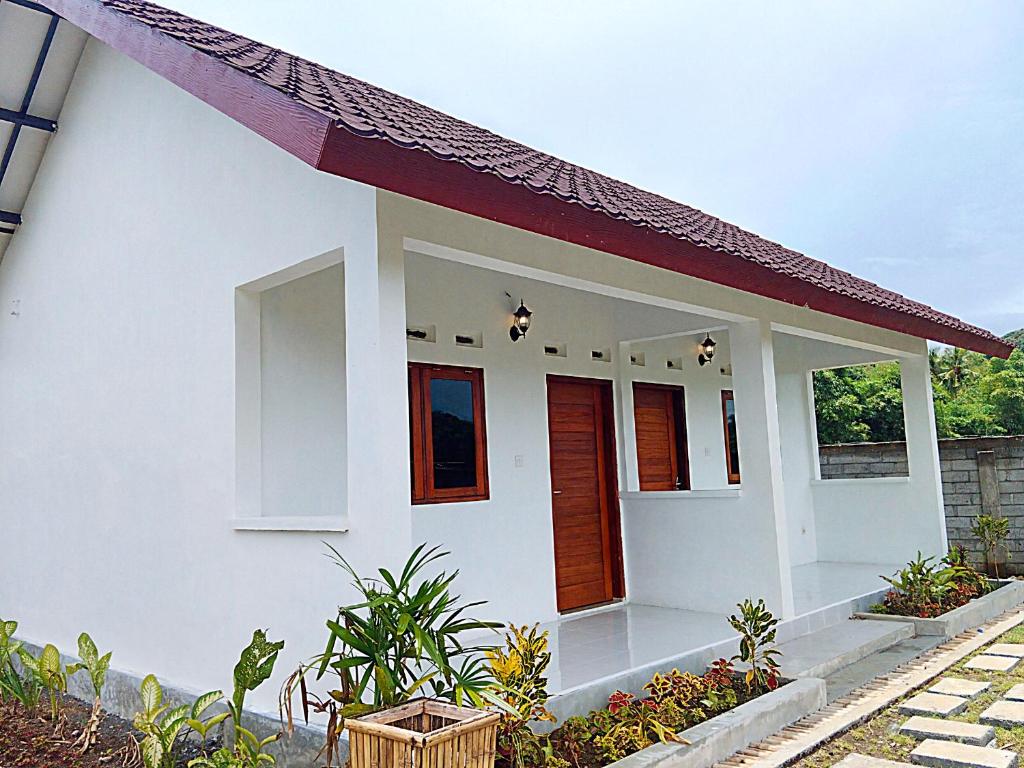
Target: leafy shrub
<point x="925" y="589"/>
<point x="403" y="638"/>
<point x="756" y="627"/>
<point x="48" y="674"/>
<point x="162" y="727"/>
<point x="97" y="667"/>
<point x="991" y="531"/>
<point x="13" y="686"/>
<point x="518" y="670"/>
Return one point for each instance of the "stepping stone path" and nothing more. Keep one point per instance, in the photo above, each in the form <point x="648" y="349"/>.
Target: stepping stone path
<point x="949" y="754"/>
<point x="1007" y="714"/>
<point x="1006" y="649"/>
<point x="934" y="704"/>
<point x="948" y="730"/>
<point x="956" y="686"/>
<point x="952" y="743"/>
<point x="989" y="663"/>
<point x="1016" y="693"/>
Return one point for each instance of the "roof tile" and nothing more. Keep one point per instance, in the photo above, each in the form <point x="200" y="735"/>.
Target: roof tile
<point x="373" y="112"/>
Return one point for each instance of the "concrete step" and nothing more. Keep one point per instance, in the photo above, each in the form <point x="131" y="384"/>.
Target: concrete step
<point x="922" y="728"/>
<point x="821" y="653"/>
<point x="950" y="754"/>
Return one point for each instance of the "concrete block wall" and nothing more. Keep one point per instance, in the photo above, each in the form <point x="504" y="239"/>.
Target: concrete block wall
<point x="993" y="482"/>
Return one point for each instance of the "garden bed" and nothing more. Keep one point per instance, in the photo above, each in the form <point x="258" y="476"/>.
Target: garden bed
<point x="1006" y="594"/>
<point x="729" y="732"/>
<point x="27" y="739"/>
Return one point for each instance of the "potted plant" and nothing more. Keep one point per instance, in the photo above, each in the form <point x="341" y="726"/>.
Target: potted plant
<point x="402" y="640"/>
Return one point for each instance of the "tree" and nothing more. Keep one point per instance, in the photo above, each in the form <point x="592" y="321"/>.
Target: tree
<point x="974" y="395"/>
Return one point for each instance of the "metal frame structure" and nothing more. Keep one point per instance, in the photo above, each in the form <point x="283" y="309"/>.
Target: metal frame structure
<point x="22" y="118"/>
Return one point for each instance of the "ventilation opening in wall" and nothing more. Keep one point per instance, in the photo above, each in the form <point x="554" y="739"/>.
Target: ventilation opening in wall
<point x="601" y="355"/>
<point x="637" y="359"/>
<point x="554" y="349"/>
<point x="421" y="333"/>
<point x="674" y="363"/>
<point x="475" y="339"/>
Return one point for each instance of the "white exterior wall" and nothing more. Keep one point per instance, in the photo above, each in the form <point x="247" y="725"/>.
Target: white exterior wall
<point x="120" y="390"/>
<point x="117" y="394"/>
<point x="508" y="539"/>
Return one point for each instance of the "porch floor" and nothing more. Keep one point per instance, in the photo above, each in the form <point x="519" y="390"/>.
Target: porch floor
<point x="586" y="649"/>
<point x="818" y="585"/>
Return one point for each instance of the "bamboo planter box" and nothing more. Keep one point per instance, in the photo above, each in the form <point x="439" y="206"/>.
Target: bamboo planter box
<point x="424" y="733"/>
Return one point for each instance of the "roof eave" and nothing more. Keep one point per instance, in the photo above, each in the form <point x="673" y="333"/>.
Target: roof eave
<point x="295" y="128"/>
<point x="417" y="174"/>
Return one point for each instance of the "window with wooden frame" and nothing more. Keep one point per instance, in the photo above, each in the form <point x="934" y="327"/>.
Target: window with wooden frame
<point x="448" y="439"/>
<point x="659" y="416"/>
<point x="732" y="446"/>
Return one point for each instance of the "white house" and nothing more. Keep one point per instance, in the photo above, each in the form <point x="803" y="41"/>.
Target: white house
<point x="249" y="304"/>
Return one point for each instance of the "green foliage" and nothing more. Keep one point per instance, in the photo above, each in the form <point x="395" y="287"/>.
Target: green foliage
<point x="48" y="674"/>
<point x="160" y="725"/>
<point x="91" y="662"/>
<point x="756" y="627"/>
<point x="403" y="636"/>
<point x="991" y="531"/>
<point x="13" y="686"/>
<point x="518" y="670"/>
<point x="974" y="395"/>
<point x="925" y="589"/>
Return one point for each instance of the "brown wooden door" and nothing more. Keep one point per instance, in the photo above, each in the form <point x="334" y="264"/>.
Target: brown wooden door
<point x="584" y="492"/>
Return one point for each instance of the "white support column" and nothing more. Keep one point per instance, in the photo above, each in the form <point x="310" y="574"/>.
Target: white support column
<point x="626" y="425"/>
<point x="763" y="541"/>
<point x="377" y="393"/>
<point x="923" y="455"/>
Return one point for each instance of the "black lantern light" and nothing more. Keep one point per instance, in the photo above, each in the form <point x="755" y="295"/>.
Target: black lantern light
<point x="520" y="322"/>
<point x="707" y="350"/>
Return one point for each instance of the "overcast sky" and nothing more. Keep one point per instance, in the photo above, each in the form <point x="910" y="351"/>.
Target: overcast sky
<point x="883" y="136"/>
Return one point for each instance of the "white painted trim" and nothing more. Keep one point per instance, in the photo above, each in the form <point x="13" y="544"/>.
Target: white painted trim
<point x="864" y="481"/>
<point x="321" y="523"/>
<point x="566" y="281"/>
<point x="709" y="329"/>
<point x="710" y="493"/>
<point x="295" y="271"/>
<point x="806" y="333"/>
<point x="812" y="421"/>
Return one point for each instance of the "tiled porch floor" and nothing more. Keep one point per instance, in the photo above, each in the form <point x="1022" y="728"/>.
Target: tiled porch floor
<point x="593" y="646"/>
<point x="817" y="585"/>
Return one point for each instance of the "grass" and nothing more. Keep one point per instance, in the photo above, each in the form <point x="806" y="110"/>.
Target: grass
<point x="879" y="737"/>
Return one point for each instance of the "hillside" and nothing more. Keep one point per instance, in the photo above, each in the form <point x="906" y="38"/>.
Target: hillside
<point x="1017" y="337"/>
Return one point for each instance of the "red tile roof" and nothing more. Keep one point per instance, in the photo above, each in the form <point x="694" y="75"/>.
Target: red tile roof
<point x="368" y="112"/>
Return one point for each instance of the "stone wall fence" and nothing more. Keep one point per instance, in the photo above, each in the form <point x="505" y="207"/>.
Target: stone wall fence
<point x="979" y="474"/>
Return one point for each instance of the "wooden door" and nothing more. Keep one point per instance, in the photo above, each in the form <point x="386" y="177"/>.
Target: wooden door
<point x="584" y="492"/>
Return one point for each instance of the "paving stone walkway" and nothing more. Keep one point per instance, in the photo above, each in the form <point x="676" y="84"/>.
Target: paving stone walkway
<point x="948" y="743"/>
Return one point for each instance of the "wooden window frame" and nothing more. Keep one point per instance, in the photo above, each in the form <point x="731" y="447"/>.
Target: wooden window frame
<point x="420" y="431"/>
<point x="732" y="472"/>
<point x="679" y="450"/>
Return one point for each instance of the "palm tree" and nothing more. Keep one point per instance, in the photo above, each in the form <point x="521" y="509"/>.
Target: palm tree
<point x="953" y="368"/>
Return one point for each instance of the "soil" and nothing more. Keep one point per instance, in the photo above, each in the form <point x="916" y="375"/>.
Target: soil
<point x="32" y="740"/>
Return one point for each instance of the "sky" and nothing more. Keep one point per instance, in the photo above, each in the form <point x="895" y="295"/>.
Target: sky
<point x="885" y="137"/>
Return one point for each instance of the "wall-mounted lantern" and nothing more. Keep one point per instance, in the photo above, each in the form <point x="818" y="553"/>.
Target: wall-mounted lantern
<point x="520" y="322"/>
<point x="707" y="350"/>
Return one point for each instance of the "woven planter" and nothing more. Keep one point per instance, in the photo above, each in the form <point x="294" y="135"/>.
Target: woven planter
<point x="423" y="733"/>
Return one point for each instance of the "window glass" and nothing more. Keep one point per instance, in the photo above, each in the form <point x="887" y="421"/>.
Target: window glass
<point x="453" y="433"/>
